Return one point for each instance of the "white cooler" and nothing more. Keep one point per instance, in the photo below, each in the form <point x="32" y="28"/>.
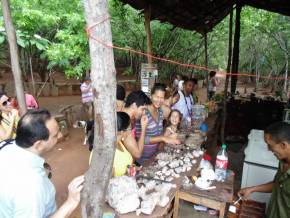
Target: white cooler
<point x="260" y="165"/>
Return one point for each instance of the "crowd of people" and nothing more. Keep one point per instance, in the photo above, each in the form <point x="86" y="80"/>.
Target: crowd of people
<point x="154" y="122"/>
<point x="25" y="188"/>
<point x="145" y="124"/>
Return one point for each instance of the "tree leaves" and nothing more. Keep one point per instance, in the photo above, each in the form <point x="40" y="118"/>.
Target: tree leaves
<point x="55" y="31"/>
<point x="2" y="39"/>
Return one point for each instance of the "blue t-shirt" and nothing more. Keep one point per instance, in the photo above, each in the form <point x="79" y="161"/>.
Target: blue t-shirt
<point x="203" y="127"/>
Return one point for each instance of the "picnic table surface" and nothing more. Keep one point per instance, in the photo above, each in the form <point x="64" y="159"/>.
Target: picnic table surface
<point x="223" y="192"/>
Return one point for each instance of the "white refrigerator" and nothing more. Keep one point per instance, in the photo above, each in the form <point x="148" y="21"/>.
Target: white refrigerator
<point x="260" y="165"/>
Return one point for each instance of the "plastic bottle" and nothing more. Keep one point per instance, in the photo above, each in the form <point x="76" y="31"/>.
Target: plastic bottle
<point x="221" y="164"/>
<point x="186" y="124"/>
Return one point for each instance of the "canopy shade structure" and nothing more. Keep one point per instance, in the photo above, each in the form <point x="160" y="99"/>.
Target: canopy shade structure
<point x="201" y="15"/>
<point x="277" y="6"/>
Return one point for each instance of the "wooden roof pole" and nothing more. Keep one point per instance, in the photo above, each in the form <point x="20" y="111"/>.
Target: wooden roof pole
<point x="206" y="60"/>
<point x="147" y="16"/>
<point x="230" y="49"/>
<point x="236" y="50"/>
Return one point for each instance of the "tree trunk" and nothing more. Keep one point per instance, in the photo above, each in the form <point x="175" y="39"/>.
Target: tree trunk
<point x="257" y="74"/>
<point x="103" y="75"/>
<point x="285" y="88"/>
<point x="14" y="55"/>
<point x="147" y="16"/>
<point x="227" y="78"/>
<point x="236" y="50"/>
<point x="32" y="78"/>
<point x="206" y="61"/>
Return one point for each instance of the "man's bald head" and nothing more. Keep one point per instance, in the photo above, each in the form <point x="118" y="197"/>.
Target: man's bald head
<point x="32" y="128"/>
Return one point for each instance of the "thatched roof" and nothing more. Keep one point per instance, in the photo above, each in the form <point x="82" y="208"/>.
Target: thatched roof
<point x="201" y="15"/>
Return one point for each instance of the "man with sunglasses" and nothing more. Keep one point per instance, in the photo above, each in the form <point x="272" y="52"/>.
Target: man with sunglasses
<point x="8" y="118"/>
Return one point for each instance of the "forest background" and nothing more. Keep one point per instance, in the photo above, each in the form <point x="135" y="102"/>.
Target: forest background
<point x="51" y="36"/>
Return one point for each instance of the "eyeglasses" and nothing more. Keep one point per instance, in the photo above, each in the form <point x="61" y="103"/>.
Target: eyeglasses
<point x="5" y="103"/>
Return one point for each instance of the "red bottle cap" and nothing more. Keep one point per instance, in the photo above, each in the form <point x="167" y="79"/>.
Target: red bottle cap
<point x="207" y="157"/>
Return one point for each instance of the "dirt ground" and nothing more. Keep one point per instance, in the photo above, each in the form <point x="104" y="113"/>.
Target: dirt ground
<point x="70" y="157"/>
<point x="68" y="160"/>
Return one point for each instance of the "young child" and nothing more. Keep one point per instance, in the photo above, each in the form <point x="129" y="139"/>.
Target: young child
<point x="174" y="121"/>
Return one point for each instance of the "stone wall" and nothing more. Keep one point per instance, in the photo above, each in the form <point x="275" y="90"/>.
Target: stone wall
<point x="47" y="89"/>
<point x="74" y="113"/>
<point x="59" y="89"/>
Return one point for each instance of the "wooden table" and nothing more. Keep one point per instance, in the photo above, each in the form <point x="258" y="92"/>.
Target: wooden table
<point x="207" y="198"/>
<point x="158" y="212"/>
<point x="215" y="198"/>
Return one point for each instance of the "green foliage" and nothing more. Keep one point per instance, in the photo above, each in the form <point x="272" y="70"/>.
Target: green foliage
<point x="128" y="72"/>
<point x="53" y="31"/>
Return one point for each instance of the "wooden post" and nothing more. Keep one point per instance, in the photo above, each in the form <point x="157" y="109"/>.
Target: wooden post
<point x="14" y="56"/>
<point x="176" y="205"/>
<point x="32" y="77"/>
<point x="236" y="50"/>
<point x="206" y="61"/>
<point x="103" y="75"/>
<point x="227" y="78"/>
<point x="285" y="87"/>
<point x="147" y="16"/>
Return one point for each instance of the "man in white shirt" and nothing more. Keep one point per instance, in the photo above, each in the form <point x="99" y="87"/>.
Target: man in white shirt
<point x="185" y="102"/>
<point x="180" y="85"/>
<point x="176" y="81"/>
<point x="25" y="190"/>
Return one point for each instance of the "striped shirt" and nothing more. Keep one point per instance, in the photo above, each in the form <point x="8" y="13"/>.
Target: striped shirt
<point x="154" y="128"/>
<point x="87" y="93"/>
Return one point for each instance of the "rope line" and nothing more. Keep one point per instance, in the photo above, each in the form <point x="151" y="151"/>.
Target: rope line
<point x="175" y="62"/>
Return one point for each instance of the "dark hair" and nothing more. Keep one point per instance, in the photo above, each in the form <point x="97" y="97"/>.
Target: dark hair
<point x="123" y="121"/>
<point x="138" y="97"/>
<point x="188" y="80"/>
<point x="279" y="132"/>
<point x="180" y="116"/>
<point x="184" y="78"/>
<point x="121" y="93"/>
<point x="212" y="73"/>
<point x="194" y="80"/>
<point x="31" y="127"/>
<point x="158" y="87"/>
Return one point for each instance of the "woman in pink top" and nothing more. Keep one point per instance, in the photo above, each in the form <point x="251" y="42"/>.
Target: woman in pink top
<point x="30" y="102"/>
